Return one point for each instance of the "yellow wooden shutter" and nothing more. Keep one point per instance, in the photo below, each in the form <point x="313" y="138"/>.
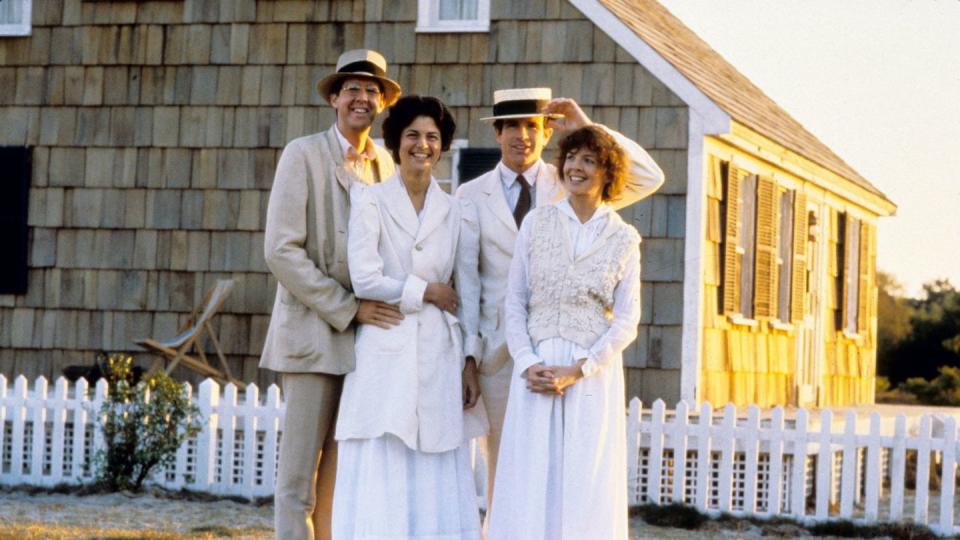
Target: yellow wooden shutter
<point x="798" y="288"/>
<point x="731" y="267"/>
<point x="765" y="276"/>
<point x="863" y="302"/>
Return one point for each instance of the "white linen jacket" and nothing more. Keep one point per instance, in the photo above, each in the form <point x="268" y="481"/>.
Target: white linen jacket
<point x="408" y="378"/>
<point x="498" y="234"/>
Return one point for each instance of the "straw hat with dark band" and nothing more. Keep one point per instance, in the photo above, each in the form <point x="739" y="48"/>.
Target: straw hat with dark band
<point x="520" y="103"/>
<point x="365" y="63"/>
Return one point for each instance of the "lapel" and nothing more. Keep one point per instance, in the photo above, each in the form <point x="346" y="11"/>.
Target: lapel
<point x="336" y="154"/>
<point x="496" y="201"/>
<point x="435" y="207"/>
<point x="397" y="203"/>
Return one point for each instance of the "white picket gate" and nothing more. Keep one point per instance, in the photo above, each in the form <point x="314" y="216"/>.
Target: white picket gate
<point x="809" y="469"/>
<point x="764" y="463"/>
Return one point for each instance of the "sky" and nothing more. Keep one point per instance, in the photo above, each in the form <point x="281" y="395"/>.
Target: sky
<point x="878" y="81"/>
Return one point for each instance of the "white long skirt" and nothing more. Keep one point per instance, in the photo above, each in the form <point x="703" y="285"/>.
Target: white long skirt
<point x="385" y="491"/>
<point x="562" y="470"/>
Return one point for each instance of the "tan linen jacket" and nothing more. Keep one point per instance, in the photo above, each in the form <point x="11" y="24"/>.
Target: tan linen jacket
<point x="305" y="246"/>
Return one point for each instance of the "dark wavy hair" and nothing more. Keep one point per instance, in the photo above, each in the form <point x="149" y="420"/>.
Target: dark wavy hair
<point x="610" y="157"/>
<point x="409" y="108"/>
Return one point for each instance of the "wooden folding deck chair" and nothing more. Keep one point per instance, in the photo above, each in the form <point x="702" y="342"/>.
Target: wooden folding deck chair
<point x="190" y="335"/>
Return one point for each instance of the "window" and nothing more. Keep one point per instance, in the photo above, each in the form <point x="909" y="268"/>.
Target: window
<point x="763" y="270"/>
<point x="477" y="161"/>
<point x="15" y="17"/>
<point x="747" y="244"/>
<point x="14" y="194"/>
<point x="785" y="256"/>
<point x="453" y="15"/>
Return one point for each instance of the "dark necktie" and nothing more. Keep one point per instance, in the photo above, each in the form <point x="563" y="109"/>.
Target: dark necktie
<point x="523" y="202"/>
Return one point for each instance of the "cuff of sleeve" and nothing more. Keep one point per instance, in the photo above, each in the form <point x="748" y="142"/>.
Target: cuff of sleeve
<point x="593" y="365"/>
<point x="523" y="362"/>
<point x="343" y="322"/>
<point x="411" y="300"/>
<point x="471" y="347"/>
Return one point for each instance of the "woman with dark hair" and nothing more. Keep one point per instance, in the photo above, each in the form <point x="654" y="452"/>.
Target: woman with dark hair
<point x="572" y="305"/>
<point x="403" y="470"/>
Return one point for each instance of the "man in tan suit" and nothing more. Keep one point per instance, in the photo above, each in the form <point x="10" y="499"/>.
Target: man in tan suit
<point x="523" y="121"/>
<point x="310" y="338"/>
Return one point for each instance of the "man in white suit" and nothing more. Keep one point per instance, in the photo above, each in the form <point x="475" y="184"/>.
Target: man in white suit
<point x="311" y="333"/>
<point x="523" y="120"/>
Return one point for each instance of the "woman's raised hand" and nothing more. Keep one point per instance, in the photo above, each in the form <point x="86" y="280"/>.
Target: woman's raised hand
<point x="441" y="295"/>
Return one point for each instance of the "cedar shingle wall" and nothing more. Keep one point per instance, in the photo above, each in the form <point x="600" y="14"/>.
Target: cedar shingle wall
<point x="156" y="127"/>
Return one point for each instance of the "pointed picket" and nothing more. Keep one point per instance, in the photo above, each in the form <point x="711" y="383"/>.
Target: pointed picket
<point x="251" y="424"/>
<point x="874" y="474"/>
<point x="848" y="476"/>
<point x="775" y="451"/>
<point x="798" y="467"/>
<point x="58" y="418"/>
<point x="655" y="457"/>
<point x="898" y="462"/>
<point x="922" y="490"/>
<point x="704" y="430"/>
<point x="948" y="475"/>
<point x="725" y="442"/>
<point x="208" y="401"/>
<point x="750" y="439"/>
<point x="679" y="429"/>
<point x="824" y="482"/>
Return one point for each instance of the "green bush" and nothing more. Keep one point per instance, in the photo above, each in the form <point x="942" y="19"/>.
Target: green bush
<point x="944" y="389"/>
<point x="142" y="423"/>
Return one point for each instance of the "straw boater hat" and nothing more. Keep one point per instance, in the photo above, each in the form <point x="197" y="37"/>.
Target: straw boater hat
<point x="365" y="63"/>
<point x="520" y="103"/>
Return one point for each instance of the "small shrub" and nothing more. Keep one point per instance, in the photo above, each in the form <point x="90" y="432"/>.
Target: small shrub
<point x="944" y="389"/>
<point x="142" y="423"/>
<point x="680" y="516"/>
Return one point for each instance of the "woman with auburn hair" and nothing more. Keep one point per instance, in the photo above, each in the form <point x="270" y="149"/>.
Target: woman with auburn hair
<point x="403" y="470"/>
<point x="572" y="307"/>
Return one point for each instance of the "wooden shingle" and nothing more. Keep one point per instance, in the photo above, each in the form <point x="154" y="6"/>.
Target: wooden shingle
<point x="99" y="167"/>
<point x="671" y="127"/>
<point x="145" y="250"/>
<point x="250" y="85"/>
<point x="163" y="209"/>
<point x="191" y="215"/>
<point x="176" y="168"/>
<point x="203" y="89"/>
<point x="43" y="247"/>
<point x="93" y="126"/>
<point x="29" y="80"/>
<point x="134" y="208"/>
<point x="48" y="13"/>
<point x="21" y="125"/>
<point x="166" y="126"/>
<point x="235" y="169"/>
<point x="123" y="125"/>
<point x="296" y="44"/>
<point x="67" y="166"/>
<point x="198" y="251"/>
<point x="108" y="38"/>
<point x="205" y="166"/>
<point x="270" y="44"/>
<point x="202" y="10"/>
<point x="271" y="81"/>
<point x="178" y="250"/>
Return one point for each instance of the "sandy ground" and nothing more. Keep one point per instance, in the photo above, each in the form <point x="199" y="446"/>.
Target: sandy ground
<point x="150" y="513"/>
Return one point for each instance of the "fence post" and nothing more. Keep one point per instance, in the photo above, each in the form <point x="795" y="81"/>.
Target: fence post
<point x="180" y="461"/>
<point x="209" y="400"/>
<point x="228" y="431"/>
<point x="775" y="452"/>
<point x="824" y="482"/>
<point x="38" y="416"/>
<point x="99" y="397"/>
<point x="923" y="471"/>
<point x="848" y="476"/>
<point x="19" y="416"/>
<point x="874" y="474"/>
<point x="750" y="439"/>
<point x="655" y="456"/>
<point x="948" y="471"/>
<point x="81" y="418"/>
<point x="271" y="425"/>
<point x="679" y="430"/>
<point x="251" y="418"/>
<point x="59" y="425"/>
<point x="704" y="431"/>
<point x="798" y="472"/>
<point x="727" y="439"/>
<point x="3" y="421"/>
<point x="898" y="466"/>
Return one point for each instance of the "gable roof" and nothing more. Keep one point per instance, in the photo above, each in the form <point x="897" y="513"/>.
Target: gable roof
<point x="721" y="82"/>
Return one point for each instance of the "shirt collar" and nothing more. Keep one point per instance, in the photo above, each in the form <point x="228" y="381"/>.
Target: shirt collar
<point x="368" y="150"/>
<point x="508" y="177"/>
<point x="600" y="213"/>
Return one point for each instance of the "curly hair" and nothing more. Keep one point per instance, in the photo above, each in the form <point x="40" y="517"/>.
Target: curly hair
<point x="409" y="108"/>
<point x="611" y="158"/>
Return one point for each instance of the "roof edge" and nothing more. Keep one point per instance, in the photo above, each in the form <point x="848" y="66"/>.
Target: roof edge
<point x="716" y="121"/>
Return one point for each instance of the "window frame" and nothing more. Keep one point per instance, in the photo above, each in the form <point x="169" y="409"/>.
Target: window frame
<point x="428" y="19"/>
<point x="20" y="29"/>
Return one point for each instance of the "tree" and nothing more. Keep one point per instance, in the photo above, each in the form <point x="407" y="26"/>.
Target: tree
<point x="933" y="340"/>
<point x="893" y="320"/>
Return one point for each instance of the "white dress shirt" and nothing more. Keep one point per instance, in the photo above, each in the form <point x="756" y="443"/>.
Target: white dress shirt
<point x="511" y="188"/>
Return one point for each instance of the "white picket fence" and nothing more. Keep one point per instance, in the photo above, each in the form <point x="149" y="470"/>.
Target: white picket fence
<point x="809" y="469"/>
<point x="766" y="463"/>
<point x="51" y="439"/>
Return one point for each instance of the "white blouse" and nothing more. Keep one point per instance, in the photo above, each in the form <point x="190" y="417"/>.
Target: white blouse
<point x="626" y="295"/>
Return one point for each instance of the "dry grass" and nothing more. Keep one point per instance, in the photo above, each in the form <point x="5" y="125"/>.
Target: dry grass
<point x="41" y="531"/>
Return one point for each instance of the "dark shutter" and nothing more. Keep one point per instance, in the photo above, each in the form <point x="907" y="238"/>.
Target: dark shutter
<point x="765" y="271"/>
<point x="14" y="188"/>
<point x="476" y="161"/>
<point x="731" y="266"/>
